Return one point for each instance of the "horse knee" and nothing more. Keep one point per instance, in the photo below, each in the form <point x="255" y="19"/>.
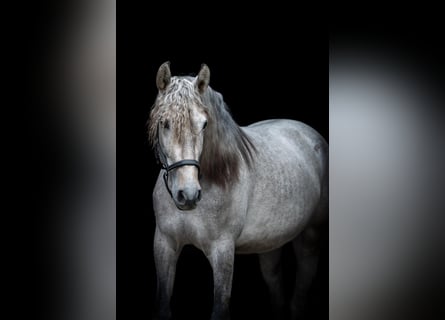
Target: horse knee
<point x="270" y="264"/>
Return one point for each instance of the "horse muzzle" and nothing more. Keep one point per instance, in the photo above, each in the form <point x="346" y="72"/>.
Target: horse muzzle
<point x="187" y="198"/>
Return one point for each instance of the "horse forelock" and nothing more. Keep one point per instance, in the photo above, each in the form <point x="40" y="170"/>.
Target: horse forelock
<point x="173" y="105"/>
<point x="225" y="144"/>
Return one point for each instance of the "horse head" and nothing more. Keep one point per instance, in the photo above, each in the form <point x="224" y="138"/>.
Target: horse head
<point x="177" y="123"/>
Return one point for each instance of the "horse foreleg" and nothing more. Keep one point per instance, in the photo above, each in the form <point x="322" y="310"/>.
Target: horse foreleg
<point x="221" y="258"/>
<point x="271" y="269"/>
<point x="166" y="255"/>
<point x="306" y="247"/>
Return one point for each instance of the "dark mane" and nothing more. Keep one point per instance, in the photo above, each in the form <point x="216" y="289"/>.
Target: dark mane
<point x="225" y="144"/>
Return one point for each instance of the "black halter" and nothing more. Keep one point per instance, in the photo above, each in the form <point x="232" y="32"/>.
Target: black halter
<point x="163" y="160"/>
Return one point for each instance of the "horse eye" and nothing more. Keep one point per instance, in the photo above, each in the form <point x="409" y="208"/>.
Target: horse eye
<point x="205" y="125"/>
<point x="166" y="124"/>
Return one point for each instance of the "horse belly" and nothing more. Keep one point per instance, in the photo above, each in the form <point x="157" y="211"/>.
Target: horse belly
<point x="275" y="218"/>
<point x="269" y="231"/>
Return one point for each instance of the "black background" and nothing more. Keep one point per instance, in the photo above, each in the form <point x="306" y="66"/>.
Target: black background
<point x="264" y="70"/>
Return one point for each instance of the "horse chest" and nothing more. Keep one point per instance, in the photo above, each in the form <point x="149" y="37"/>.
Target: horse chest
<point x="191" y="228"/>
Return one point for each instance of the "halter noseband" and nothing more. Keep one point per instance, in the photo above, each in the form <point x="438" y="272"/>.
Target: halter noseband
<point x="163" y="160"/>
<point x="187" y="162"/>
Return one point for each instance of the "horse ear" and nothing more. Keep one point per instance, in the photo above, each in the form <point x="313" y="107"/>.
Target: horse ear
<point x="163" y="77"/>
<point x="203" y="78"/>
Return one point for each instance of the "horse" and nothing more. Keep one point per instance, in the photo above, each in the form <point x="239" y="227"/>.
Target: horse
<point x="229" y="190"/>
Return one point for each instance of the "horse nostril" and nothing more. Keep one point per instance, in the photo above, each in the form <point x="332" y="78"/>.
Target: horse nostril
<point x="181" y="197"/>
<point x="198" y="198"/>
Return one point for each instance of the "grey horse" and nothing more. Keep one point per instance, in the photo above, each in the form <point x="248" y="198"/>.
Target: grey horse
<point x="229" y="190"/>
